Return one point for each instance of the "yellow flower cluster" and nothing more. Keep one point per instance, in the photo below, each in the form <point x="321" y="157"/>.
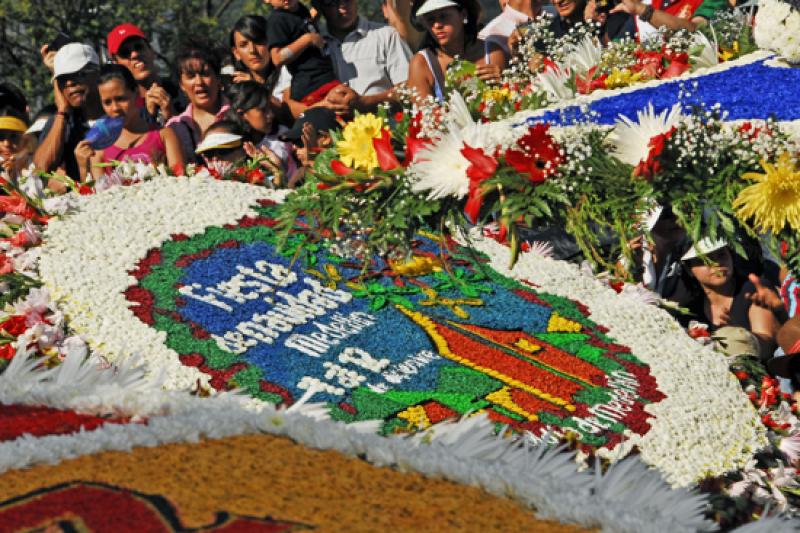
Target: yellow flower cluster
<point x="356" y="149"/>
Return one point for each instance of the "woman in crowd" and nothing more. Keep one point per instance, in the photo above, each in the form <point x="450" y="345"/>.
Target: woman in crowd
<point x="248" y="42"/>
<point x="722" y="296"/>
<point x="452" y="30"/>
<point x="199" y="72"/>
<point x="139" y="140"/>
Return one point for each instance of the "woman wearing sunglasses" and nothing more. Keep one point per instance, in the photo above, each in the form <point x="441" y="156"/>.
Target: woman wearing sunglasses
<point x="452" y="31"/>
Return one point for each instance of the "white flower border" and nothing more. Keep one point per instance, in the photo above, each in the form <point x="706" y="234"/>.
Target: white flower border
<point x="711" y="430"/>
<point x="86" y="256"/>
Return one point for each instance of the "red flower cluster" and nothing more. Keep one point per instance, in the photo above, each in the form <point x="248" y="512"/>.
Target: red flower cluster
<point x="538" y="155"/>
<point x="660" y="64"/>
<point x="652" y="165"/>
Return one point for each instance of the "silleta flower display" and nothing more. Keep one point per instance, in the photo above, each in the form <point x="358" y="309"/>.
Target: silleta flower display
<point x="390" y="309"/>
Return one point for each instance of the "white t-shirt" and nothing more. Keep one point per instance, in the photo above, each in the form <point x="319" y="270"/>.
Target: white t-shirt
<point x="500" y="28"/>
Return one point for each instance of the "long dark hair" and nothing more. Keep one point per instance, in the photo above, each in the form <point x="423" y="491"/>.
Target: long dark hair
<point x="244" y="96"/>
<point x="474" y="11"/>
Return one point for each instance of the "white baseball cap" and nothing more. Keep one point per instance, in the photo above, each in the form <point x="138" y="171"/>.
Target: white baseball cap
<point x="435" y="5"/>
<point x="73" y="57"/>
<point x="216" y="141"/>
<point x="703" y="247"/>
<point x="37" y="126"/>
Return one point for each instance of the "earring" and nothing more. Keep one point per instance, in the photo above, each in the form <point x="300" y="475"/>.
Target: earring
<point x="466" y="20"/>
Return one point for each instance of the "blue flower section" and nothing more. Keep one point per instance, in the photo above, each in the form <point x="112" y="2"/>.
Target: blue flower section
<point x="753" y="91"/>
<point x="414" y="363"/>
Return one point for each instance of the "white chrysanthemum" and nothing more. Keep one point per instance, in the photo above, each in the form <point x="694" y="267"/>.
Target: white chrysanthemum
<point x="458" y="115"/>
<point x="583" y="56"/>
<point x="632" y="139"/>
<point x="704" y="51"/>
<point x="440" y="169"/>
<point x="555" y="82"/>
<point x="769" y="25"/>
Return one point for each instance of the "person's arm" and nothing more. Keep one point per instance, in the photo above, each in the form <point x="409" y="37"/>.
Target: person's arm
<point x="86" y="158"/>
<point x="659" y="19"/>
<point x="284" y="55"/>
<point x="764" y="326"/>
<point x="175" y="160"/>
<point x="492" y="70"/>
<point x="398" y="15"/>
<point x="49" y="152"/>
<point x="419" y="77"/>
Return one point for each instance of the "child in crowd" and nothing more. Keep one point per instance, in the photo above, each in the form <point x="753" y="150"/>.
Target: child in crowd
<point x="294" y="41"/>
<point x="251" y="108"/>
<point x="222" y="146"/>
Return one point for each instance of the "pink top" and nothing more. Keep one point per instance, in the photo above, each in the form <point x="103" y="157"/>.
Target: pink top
<point x="151" y="150"/>
<point x="189" y="134"/>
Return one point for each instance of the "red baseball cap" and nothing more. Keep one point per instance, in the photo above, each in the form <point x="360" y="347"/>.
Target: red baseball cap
<point x="120" y="34"/>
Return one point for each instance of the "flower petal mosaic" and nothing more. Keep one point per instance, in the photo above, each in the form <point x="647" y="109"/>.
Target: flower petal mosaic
<point x="209" y="297"/>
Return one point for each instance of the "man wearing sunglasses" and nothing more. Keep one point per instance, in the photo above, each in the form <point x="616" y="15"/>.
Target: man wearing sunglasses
<point x="75" y="92"/>
<point x="128" y="46"/>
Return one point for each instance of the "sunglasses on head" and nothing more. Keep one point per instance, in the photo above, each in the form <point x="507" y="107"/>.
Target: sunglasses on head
<point x="129" y="47"/>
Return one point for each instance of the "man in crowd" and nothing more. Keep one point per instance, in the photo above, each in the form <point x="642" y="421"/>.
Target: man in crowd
<point x="128" y="46"/>
<point x="75" y="93"/>
<point x="370" y="57"/>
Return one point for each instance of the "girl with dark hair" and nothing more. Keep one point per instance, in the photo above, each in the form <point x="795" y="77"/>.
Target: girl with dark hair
<point x="199" y="75"/>
<point x="452" y="31"/>
<point x="248" y="42"/>
<point x="139" y="141"/>
<point x="252" y="109"/>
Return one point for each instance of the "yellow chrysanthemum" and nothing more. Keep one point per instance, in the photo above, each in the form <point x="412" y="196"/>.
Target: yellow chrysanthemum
<point x="497" y="95"/>
<point x="774" y="200"/>
<point x="356" y="149"/>
<point x="622" y="78"/>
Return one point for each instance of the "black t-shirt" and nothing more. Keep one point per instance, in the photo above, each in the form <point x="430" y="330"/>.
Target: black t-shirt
<point x="76" y="127"/>
<point x="312" y="68"/>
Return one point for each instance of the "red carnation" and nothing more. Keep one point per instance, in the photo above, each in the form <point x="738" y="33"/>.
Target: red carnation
<point x="539" y="154"/>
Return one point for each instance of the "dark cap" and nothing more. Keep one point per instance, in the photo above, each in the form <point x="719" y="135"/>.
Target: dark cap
<point x="321" y="118"/>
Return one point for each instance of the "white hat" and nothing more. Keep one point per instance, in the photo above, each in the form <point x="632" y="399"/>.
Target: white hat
<point x="73" y="57"/>
<point x="219" y="141"/>
<point x="37" y="126"/>
<point x="435" y="5"/>
<point x="705" y="246"/>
